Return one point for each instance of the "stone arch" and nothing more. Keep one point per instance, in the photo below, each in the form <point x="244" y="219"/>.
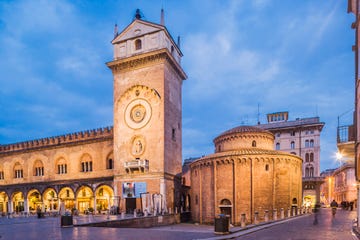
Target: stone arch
<point x="4" y="199"/>
<point x="104" y="195"/>
<point x="226" y="207"/>
<point x="34" y="200"/>
<point x="67" y="198"/>
<point x="85" y="199"/>
<point x="50" y="199"/>
<point x="17" y="202"/>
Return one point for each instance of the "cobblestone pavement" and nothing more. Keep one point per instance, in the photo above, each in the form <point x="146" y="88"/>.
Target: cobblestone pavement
<point x="337" y="228"/>
<point x="294" y="229"/>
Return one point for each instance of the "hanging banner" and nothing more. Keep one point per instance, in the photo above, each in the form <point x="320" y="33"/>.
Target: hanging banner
<point x="128" y="190"/>
<point x="140" y="187"/>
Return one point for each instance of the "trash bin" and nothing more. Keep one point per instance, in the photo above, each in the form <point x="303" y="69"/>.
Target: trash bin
<point x="222" y="224"/>
<point x="66" y="221"/>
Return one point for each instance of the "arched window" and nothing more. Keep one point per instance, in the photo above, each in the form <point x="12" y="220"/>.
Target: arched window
<point x="311" y="157"/>
<point x="311" y="172"/>
<point x="277" y="146"/>
<point x="138" y="44"/>
<point x="110" y="161"/>
<point x="86" y="163"/>
<point x="306" y="143"/>
<point x="311" y="143"/>
<point x="18" y="171"/>
<point x="267" y="167"/>
<point x="253" y="143"/>
<point x="307" y="172"/>
<point x="38" y="168"/>
<point x="61" y="166"/>
<point x="292" y="145"/>
<point x="306" y="157"/>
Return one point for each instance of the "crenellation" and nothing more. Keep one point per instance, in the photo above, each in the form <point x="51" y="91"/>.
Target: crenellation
<point x="86" y="135"/>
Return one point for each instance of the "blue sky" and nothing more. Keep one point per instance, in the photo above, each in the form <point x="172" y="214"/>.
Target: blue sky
<point x="281" y="55"/>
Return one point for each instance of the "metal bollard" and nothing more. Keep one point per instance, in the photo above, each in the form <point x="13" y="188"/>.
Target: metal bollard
<point x="274" y="214"/>
<point x="256" y="218"/>
<point x="243" y="220"/>
<point x="282" y="214"/>
<point x="266" y="217"/>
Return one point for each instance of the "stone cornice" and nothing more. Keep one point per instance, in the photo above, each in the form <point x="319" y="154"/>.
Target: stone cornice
<point x="141" y="60"/>
<point x="72" y="139"/>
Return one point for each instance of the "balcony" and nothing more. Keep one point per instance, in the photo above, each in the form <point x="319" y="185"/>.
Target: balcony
<point x="345" y="134"/>
<point x="137" y="165"/>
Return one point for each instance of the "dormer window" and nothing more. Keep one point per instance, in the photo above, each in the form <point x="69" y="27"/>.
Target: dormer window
<point x="138" y="44"/>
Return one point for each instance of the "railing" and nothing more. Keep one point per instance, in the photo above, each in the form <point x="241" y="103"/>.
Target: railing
<point x="140" y="165"/>
<point x="345" y="133"/>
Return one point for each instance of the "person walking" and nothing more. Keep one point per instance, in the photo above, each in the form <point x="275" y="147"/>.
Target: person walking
<point x="333" y="206"/>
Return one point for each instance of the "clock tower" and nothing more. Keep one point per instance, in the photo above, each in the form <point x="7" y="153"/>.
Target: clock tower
<point x="147" y="116"/>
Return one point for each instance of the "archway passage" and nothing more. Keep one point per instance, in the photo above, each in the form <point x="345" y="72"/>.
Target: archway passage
<point x="34" y="200"/>
<point x="104" y="198"/>
<point x="3" y="203"/>
<point x="84" y="199"/>
<point x="51" y="200"/>
<point x="226" y="208"/>
<point x="67" y="199"/>
<point x="18" y="202"/>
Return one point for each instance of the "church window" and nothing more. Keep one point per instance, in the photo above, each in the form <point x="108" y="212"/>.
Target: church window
<point x="277" y="146"/>
<point x="292" y="145"/>
<point x="172" y="50"/>
<point x="138" y="44"/>
<point x="292" y="133"/>
<point x="253" y="143"/>
<point x="2" y="175"/>
<point x="306" y="157"/>
<point x="311" y="143"/>
<point x="267" y="167"/>
<point x="306" y="143"/>
<point x="196" y="200"/>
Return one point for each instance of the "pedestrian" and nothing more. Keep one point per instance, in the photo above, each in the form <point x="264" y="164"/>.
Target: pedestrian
<point x="316" y="212"/>
<point x="333" y="206"/>
<point x="38" y="211"/>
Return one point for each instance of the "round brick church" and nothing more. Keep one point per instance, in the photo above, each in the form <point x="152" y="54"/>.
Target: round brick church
<point x="244" y="175"/>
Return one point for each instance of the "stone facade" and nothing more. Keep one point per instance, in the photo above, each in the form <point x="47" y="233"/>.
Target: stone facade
<point x="134" y="165"/>
<point x="244" y="176"/>
<point x="300" y="137"/>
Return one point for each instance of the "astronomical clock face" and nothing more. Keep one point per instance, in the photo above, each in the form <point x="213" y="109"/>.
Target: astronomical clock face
<point x="137" y="113"/>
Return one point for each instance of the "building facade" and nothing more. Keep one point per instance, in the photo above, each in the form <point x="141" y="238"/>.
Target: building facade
<point x="244" y="175"/>
<point x="134" y="165"/>
<point x="300" y="137"/>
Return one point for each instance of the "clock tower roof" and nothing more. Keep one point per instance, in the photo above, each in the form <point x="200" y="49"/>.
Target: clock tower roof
<point x="138" y="28"/>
